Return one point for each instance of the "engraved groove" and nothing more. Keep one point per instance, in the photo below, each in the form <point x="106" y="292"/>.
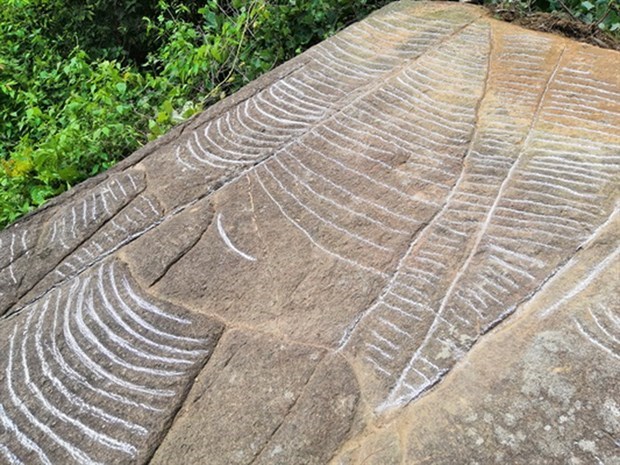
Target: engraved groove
<point x="91" y="374"/>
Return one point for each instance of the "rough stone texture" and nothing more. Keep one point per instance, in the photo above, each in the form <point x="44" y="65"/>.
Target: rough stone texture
<point x="95" y="362"/>
<point x="541" y="389"/>
<point x="402" y="246"/>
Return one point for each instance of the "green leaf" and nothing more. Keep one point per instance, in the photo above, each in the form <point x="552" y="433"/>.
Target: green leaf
<point x="69" y="173"/>
<point x="121" y="87"/>
<point x="167" y="107"/>
<point x="587" y="5"/>
<point x="39" y="194"/>
<point x="216" y="53"/>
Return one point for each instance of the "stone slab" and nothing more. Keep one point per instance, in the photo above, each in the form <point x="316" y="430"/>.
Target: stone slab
<point x="402" y="246"/>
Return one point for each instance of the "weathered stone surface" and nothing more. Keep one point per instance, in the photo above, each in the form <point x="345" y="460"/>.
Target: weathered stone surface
<point x="543" y="389"/>
<point x="402" y="246"/>
<point x="296" y="405"/>
<point x="97" y="362"/>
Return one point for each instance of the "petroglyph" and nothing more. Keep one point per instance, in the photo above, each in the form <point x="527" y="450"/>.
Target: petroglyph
<point x="71" y="228"/>
<point x="14" y="247"/>
<point x="93" y="371"/>
<point x="138" y="216"/>
<point x="359" y="220"/>
<point x="227" y="241"/>
<point x="71" y="224"/>
<point x="601" y="327"/>
<point x="508" y="216"/>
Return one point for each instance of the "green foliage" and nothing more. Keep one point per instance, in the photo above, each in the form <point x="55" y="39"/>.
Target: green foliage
<point x="102" y="28"/>
<point x="603" y="13"/>
<point x="62" y="117"/>
<point x="231" y="43"/>
<point x="61" y="120"/>
<point x="83" y="83"/>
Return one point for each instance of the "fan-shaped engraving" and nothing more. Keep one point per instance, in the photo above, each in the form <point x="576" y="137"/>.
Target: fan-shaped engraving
<point x="71" y="228"/>
<point x="331" y="181"/>
<point x="293" y="105"/>
<point x="137" y="217"/>
<point x="360" y="219"/>
<point x="505" y="184"/>
<point x="68" y="227"/>
<point x="93" y="371"/>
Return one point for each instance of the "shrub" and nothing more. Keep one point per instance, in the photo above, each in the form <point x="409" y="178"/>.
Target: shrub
<point x="85" y="83"/>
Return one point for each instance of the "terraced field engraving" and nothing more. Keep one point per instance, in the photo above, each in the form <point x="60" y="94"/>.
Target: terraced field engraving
<point x="304" y="272"/>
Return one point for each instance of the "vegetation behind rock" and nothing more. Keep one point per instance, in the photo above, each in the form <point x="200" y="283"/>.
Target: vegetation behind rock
<point x="84" y="83"/>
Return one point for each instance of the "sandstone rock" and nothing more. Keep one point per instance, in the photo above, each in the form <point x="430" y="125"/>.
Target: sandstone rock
<point x="542" y="389"/>
<point x="400" y="247"/>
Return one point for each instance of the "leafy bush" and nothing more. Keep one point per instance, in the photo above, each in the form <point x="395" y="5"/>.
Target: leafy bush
<point x="605" y="14"/>
<point x="83" y="83"/>
<point x="61" y="119"/>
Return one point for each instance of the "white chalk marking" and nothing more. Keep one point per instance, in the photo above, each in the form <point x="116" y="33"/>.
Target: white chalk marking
<point x="21" y="437"/>
<point x="594" y="273"/>
<point x="594" y="340"/>
<point x="101" y="438"/>
<point x="227" y="241"/>
<point x="76" y="453"/>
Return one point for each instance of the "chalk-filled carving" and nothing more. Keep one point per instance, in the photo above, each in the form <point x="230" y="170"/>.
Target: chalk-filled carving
<point x="363" y="227"/>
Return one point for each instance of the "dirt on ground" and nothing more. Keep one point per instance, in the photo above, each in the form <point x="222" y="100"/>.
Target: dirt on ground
<point x="557" y="23"/>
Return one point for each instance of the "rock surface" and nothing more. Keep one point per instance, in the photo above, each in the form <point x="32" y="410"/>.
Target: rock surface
<point x="402" y="246"/>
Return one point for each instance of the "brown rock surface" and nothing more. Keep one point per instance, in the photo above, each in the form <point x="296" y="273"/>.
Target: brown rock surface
<point x="402" y="246"/>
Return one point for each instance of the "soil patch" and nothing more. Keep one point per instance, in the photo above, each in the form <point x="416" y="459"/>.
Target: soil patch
<point x="557" y="23"/>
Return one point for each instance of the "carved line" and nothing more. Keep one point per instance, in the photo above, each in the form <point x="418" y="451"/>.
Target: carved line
<point x="227" y="241"/>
